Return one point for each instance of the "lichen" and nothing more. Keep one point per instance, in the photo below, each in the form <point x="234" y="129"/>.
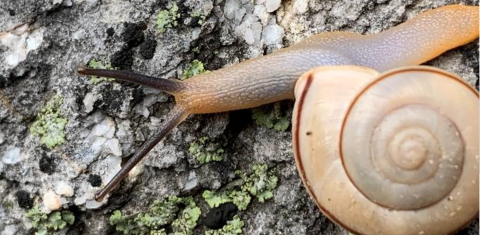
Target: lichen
<point x="50" y="124"/>
<point x="240" y="198"/>
<point x="95" y="64"/>
<point x="49" y="223"/>
<point x="187" y="220"/>
<point x="214" y="199"/>
<point x="168" y="18"/>
<point x="194" y="68"/>
<point x="181" y="214"/>
<point x="260" y="184"/>
<point x="272" y="116"/>
<point x="206" y="151"/>
<point x="233" y="227"/>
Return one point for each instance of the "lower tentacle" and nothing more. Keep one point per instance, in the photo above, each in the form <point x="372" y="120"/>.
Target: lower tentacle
<point x="173" y="119"/>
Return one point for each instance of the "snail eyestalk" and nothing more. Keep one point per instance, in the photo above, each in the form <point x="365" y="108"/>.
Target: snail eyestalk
<point x="165" y="85"/>
<point x="175" y="117"/>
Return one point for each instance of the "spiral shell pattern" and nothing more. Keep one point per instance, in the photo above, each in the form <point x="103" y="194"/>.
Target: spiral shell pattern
<point x="395" y="153"/>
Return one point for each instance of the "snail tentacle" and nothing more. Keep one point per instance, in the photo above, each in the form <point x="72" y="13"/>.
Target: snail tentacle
<point x="166" y="85"/>
<point x="175" y="117"/>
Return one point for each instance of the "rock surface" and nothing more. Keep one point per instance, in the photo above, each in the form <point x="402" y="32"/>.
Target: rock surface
<point x="42" y="43"/>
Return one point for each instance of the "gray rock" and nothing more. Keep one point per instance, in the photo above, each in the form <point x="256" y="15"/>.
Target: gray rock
<point x="42" y="42"/>
<point x="273" y="35"/>
<point x="11" y="156"/>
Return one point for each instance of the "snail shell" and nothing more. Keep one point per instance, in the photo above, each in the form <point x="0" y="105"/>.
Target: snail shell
<point x="395" y="153"/>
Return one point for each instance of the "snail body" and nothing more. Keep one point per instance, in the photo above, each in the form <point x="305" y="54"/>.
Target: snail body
<point x="395" y="153"/>
<point x="273" y="77"/>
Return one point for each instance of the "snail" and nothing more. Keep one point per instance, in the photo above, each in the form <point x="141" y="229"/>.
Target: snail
<point x="398" y="149"/>
<point x="273" y="77"/>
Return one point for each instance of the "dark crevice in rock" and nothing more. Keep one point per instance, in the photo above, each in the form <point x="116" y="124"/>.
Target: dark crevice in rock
<point x="122" y="59"/>
<point x="4" y="82"/>
<point x="217" y="217"/>
<point x="147" y="49"/>
<point x="239" y="120"/>
<point x="133" y="34"/>
<point x="79" y="225"/>
<point x="110" y="32"/>
<point x="95" y="180"/>
<point x="24" y="200"/>
<point x="47" y="165"/>
<point x="322" y="225"/>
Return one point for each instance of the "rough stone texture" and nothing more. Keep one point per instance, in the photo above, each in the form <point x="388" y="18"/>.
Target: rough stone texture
<point x="50" y="38"/>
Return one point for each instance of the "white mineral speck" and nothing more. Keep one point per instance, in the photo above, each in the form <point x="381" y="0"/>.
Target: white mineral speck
<point x="114" y="146"/>
<point x="196" y="33"/>
<point x="142" y="110"/>
<point x="97" y="145"/>
<point x="113" y="165"/>
<point x="124" y="132"/>
<point x="67" y="3"/>
<point x="92" y="204"/>
<point x="106" y="128"/>
<point x="9" y="230"/>
<point x="273" y="34"/>
<point x="79" y="200"/>
<point x="231" y="7"/>
<point x="2" y="138"/>
<point x="63" y="188"/>
<point x="250" y="30"/>
<point x="300" y="6"/>
<point x="148" y="101"/>
<point x="272" y="5"/>
<point x="261" y="12"/>
<point x="52" y="201"/>
<point x="136" y="171"/>
<point x="11" y="156"/>
<point x="89" y="100"/>
<point x="192" y="181"/>
<point x="20" y="42"/>
<point x="239" y="15"/>
<point x="34" y="40"/>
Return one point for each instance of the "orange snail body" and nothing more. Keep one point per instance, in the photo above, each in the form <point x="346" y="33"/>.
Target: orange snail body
<point x="395" y="153"/>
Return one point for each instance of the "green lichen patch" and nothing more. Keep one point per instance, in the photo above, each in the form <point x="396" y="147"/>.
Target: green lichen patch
<point x="44" y="223"/>
<point x="233" y="227"/>
<point x="168" y="18"/>
<point x="240" y="198"/>
<point x="214" y="199"/>
<point x="259" y="184"/>
<point x="194" y="68"/>
<point x="180" y="215"/>
<point x="95" y="64"/>
<point x="206" y="151"/>
<point x="50" y="124"/>
<point x="274" y="116"/>
<point x="187" y="220"/>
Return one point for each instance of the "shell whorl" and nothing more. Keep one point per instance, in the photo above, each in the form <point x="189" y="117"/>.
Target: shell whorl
<point x="395" y="153"/>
